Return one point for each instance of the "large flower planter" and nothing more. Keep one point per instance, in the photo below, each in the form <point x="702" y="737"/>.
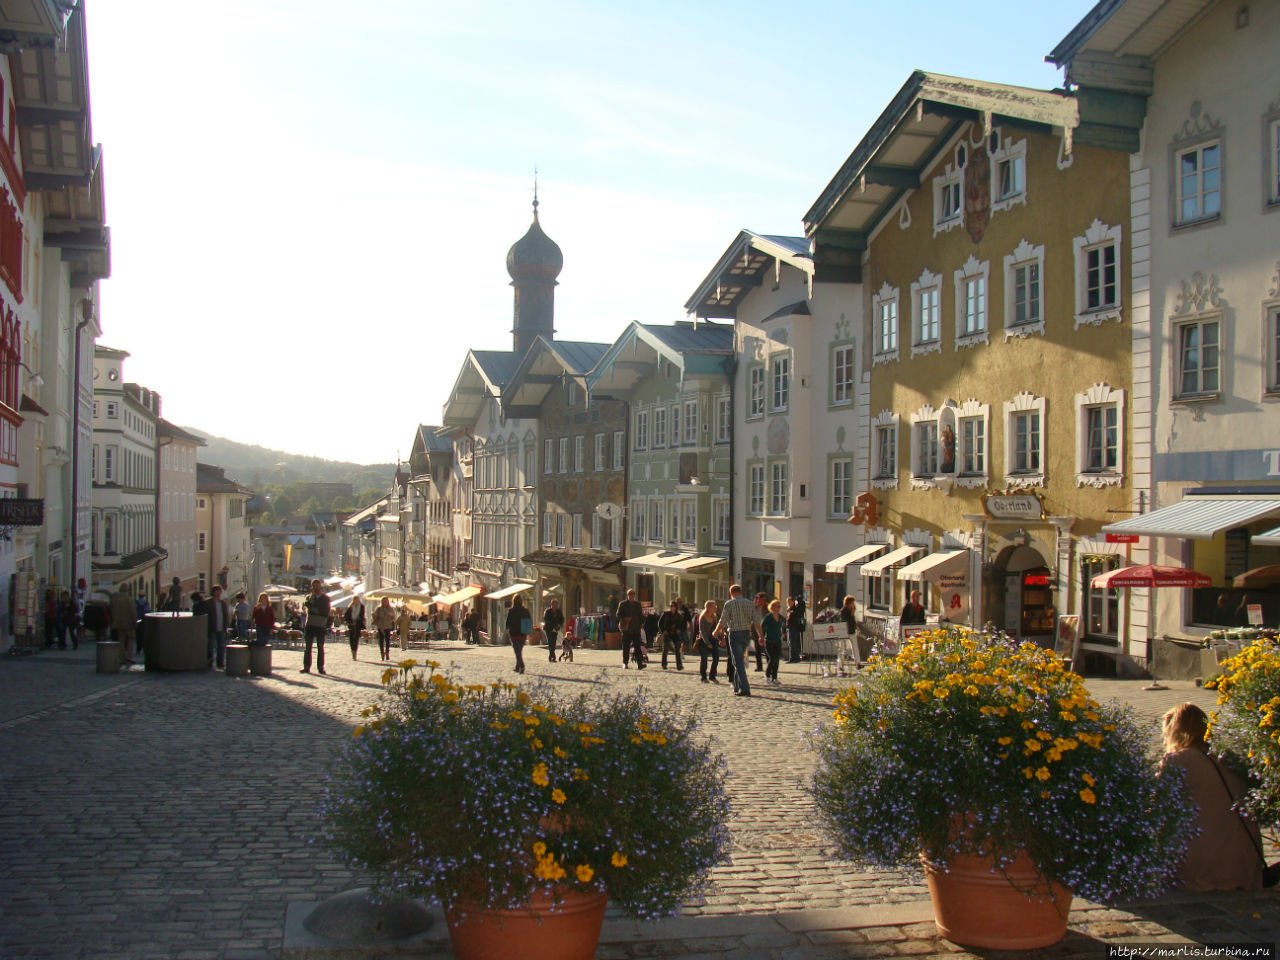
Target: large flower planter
<point x="976" y="905"/>
<point x="542" y="930"/>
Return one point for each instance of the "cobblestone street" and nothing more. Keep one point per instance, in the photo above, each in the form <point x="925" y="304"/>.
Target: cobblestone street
<point x="150" y="815"/>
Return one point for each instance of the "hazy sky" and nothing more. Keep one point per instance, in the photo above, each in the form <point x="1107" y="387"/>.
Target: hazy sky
<point x="311" y="201"/>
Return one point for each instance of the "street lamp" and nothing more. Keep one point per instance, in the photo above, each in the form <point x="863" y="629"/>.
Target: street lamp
<point x="33" y="378"/>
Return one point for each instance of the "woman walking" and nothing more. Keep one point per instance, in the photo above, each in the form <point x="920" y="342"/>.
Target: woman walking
<point x="264" y="620"/>
<point x="849" y="616"/>
<point x="68" y="622"/>
<point x="353" y="616"/>
<point x="384" y="621"/>
<point x="519" y="625"/>
<point x="404" y="623"/>
<point x="708" y="645"/>
<point x="771" y="627"/>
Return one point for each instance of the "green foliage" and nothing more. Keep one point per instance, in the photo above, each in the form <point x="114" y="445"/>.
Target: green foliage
<point x="1246" y="726"/>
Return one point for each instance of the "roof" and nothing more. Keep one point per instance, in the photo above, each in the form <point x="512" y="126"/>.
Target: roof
<point x="432" y="440"/>
<point x="547" y="363"/>
<point x="483" y="374"/>
<point x="1136" y="31"/>
<point x="168" y="429"/>
<point x="496" y="365"/>
<point x="213" y="479"/>
<point x="367" y="512"/>
<point x="571" y="558"/>
<point x="741" y="268"/>
<point x="695" y="349"/>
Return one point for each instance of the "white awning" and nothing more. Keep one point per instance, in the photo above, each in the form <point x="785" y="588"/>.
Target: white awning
<point x="935" y="565"/>
<point x="864" y="552"/>
<point x="694" y="564"/>
<point x="509" y="591"/>
<point x="660" y="559"/>
<point x="1269" y="539"/>
<point x="1199" y="518"/>
<point x="458" y="596"/>
<point x="873" y="568"/>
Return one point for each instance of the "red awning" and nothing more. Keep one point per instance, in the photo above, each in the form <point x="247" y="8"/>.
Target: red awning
<point x="1149" y="575"/>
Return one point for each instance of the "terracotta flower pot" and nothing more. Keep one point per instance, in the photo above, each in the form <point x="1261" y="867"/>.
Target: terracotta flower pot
<point x="569" y="931"/>
<point x="977" y="906"/>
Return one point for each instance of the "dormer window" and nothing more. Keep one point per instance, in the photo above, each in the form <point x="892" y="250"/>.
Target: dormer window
<point x="948" y="193"/>
<point x="1008" y="171"/>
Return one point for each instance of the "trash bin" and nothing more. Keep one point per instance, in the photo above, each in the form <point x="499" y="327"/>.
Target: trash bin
<point x="109" y="657"/>
<point x="237" y="660"/>
<point x="260" y="659"/>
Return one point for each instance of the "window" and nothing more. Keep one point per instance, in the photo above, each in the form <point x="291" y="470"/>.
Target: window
<point x="1097" y="256"/>
<point x="1197" y="358"/>
<point x="599" y="444"/>
<point x="1102" y="606"/>
<point x="619" y="452"/>
<point x="1024" y="443"/>
<point x="1199" y="183"/>
<point x="756" y="392"/>
<point x="724" y="419"/>
<point x="690" y="422"/>
<point x="926" y="319"/>
<point x="884" y="310"/>
<point x="1271" y="331"/>
<point x="642" y="430"/>
<point x="886" y="450"/>
<point x="660" y="427"/>
<point x="576" y="532"/>
<point x="779" y="488"/>
<point x="689" y="521"/>
<point x="781" y="382"/>
<point x="657" y="516"/>
<point x="579" y="453"/>
<point x="1008" y="172"/>
<point x="842" y="374"/>
<point x="548" y="456"/>
<point x="880" y="590"/>
<point x="973" y="446"/>
<point x="110" y="454"/>
<point x="948" y="205"/>
<point x="673" y="524"/>
<point x="926" y="437"/>
<point x="564" y="454"/>
<point x="113" y="410"/>
<point x="1024" y="290"/>
<point x="200" y="542"/>
<point x="572" y="399"/>
<point x="841" y="488"/>
<point x="1273" y="161"/>
<point x="615" y="534"/>
<point x="95" y="410"/>
<point x="755" y="489"/>
<point x="971" y="302"/>
<point x="724" y="523"/>
<point x="637" y="520"/>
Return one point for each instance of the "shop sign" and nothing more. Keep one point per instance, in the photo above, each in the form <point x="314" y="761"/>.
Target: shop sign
<point x="1014" y="506"/>
<point x="1122" y="538"/>
<point x="21" y="512"/>
<point x="953" y="595"/>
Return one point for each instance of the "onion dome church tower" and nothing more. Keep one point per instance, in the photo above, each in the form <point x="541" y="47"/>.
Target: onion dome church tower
<point x="534" y="261"/>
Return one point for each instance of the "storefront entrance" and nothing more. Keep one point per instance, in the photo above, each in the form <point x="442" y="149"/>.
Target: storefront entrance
<point x="1023" y="604"/>
<point x="757" y="577"/>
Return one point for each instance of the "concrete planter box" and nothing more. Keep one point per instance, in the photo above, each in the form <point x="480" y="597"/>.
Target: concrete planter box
<point x="175" y="643"/>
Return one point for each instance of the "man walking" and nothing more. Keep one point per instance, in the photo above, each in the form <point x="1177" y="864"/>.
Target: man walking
<point x="630" y="618"/>
<point x="317" y="625"/>
<point x="672" y="627"/>
<point x="738" y="620"/>
<point x="215" y="609"/>
<point x="552" y="624"/>
<point x="124" y="621"/>
<point x="795" y="627"/>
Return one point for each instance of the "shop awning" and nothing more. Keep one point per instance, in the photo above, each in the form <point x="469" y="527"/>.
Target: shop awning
<point x="873" y="568"/>
<point x="509" y="591"/>
<point x="1199" y="518"/>
<point x="694" y="564"/>
<point x="935" y="565"/>
<point x="1269" y="539"/>
<point x="458" y="596"/>
<point x="864" y="552"/>
<point x="660" y="559"/>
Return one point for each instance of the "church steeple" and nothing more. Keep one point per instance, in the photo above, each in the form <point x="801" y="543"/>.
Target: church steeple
<point x="534" y="261"/>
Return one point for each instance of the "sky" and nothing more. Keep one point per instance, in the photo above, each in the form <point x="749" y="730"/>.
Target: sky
<point x="311" y="201"/>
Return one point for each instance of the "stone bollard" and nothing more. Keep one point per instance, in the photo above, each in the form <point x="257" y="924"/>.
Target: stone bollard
<point x="260" y="660"/>
<point x="237" y="660"/>
<point x="109" y="657"/>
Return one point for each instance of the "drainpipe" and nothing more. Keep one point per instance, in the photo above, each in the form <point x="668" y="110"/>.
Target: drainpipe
<point x="732" y="372"/>
<point x="86" y="314"/>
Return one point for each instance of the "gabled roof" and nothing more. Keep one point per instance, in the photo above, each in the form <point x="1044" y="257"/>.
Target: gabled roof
<point x="213" y="479"/>
<point x="545" y="364"/>
<point x="902" y="145"/>
<point x="484" y="373"/>
<point x="367" y="513"/>
<point x="431" y="440"/>
<point x="742" y="268"/>
<point x="1122" y="34"/>
<point x="695" y="349"/>
<point x="167" y="429"/>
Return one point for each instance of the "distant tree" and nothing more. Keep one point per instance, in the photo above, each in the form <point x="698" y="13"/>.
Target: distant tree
<point x="369" y="495"/>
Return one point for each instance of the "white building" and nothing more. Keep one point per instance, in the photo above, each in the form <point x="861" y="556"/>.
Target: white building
<point x="177" y="517"/>
<point x="222" y="534"/>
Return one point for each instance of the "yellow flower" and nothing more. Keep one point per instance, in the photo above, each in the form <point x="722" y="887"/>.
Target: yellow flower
<point x="1087" y="796"/>
<point x="408" y="664"/>
<point x="540" y="775"/>
<point x="618" y="859"/>
<point x="539" y="848"/>
<point x="1088" y="779"/>
<point x="558" y="795"/>
<point x="560" y="753"/>
<point x="971" y="690"/>
<point x="1042" y="773"/>
<point x="357" y="731"/>
<point x="584" y="873"/>
<point x="388" y="675"/>
<point x="1004" y="741"/>
<point x="942" y="692"/>
<point x="1031" y="745"/>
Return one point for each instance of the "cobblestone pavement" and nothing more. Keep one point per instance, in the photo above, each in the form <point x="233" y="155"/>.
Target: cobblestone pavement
<point x="146" y="815"/>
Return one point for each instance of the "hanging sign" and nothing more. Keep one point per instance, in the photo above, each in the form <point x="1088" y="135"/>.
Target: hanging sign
<point x="1014" y="506"/>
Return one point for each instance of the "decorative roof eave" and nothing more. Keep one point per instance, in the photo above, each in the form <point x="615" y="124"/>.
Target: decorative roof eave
<point x="957" y="96"/>
<point x="705" y="360"/>
<point x="37" y="23"/>
<point x="720" y="276"/>
<point x="1120" y="35"/>
<point x="526" y="390"/>
<point x="468" y="394"/>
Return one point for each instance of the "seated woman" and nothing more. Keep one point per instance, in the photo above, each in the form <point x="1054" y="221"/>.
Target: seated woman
<point x="1227" y="855"/>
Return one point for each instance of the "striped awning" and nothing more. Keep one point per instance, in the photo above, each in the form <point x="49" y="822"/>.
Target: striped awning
<point x="1199" y="518"/>
<point x="509" y="591"/>
<point x="1269" y="539"/>
<point x="873" y="568"/>
<point x="935" y="565"/>
<point x="656" y="560"/>
<point x="458" y="596"/>
<point x="863" y="552"/>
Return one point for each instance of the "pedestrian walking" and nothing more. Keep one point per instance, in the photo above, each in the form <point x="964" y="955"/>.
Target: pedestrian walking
<point x="124" y="622"/>
<point x="849" y="616"/>
<point x="353" y="617"/>
<point x="795" y="627"/>
<point x="650" y="627"/>
<point x="630" y="616"/>
<point x="264" y="620"/>
<point x="772" y="627"/>
<point x="708" y="645"/>
<point x="404" y="624"/>
<point x="671" y="625"/>
<point x="317" y="626"/>
<point x="519" y="626"/>
<point x="566" y="644"/>
<point x="384" y="621"/>
<point x="219" y="617"/>
<point x="52" y="621"/>
<point x="759" y="608"/>
<point x="242" y="613"/>
<point x="68" y="622"/>
<point x="552" y="624"/>
<point x="737" y="621"/>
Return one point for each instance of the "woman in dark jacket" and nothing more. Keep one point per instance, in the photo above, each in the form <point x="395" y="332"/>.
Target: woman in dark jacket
<point x="518" y="625"/>
<point x="354" y="618"/>
<point x="68" y="621"/>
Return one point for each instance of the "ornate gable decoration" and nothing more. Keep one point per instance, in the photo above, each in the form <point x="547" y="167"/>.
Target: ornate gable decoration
<point x="1199" y="125"/>
<point x="1199" y="295"/>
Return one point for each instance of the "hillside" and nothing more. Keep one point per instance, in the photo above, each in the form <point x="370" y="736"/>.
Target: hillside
<point x="256" y="466"/>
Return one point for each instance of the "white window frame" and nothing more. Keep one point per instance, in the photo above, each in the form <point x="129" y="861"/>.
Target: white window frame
<point x="1099" y="398"/>
<point x="1022" y="405"/>
<point x="884" y="440"/>
<point x="840" y="480"/>
<point x="1201" y="195"/>
<point x="689" y="522"/>
<point x="577" y="532"/>
<point x="779" y="488"/>
<point x="948" y="192"/>
<point x="657" y="520"/>
<point x="724" y="419"/>
<point x="755" y="489"/>
<point x="885" y="319"/>
<point x="659" y="427"/>
<point x="110" y="462"/>
<point x="843" y="373"/>
<point x="1023" y="257"/>
<point x="564" y="455"/>
<point x="755" y="391"/>
<point x="1012" y="155"/>
<point x="579" y="453"/>
<point x="1271" y="348"/>
<point x="637" y="518"/>
<point x="1271" y="167"/>
<point x="1096" y="239"/>
<point x="690" y="424"/>
<point x="780" y="382"/>
<point x="673" y="520"/>
<point x="973" y="302"/>
<point x="925" y="428"/>
<point x="562" y="530"/>
<point x="599" y="453"/>
<point x="642" y="430"/>
<point x="202" y="542"/>
<point x="1202" y="323"/>
<point x="619" y="450"/>
<point x="926" y="328"/>
<point x="979" y="415"/>
<point x="548" y="527"/>
<point x="723" y="528"/>
<point x="615" y="535"/>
